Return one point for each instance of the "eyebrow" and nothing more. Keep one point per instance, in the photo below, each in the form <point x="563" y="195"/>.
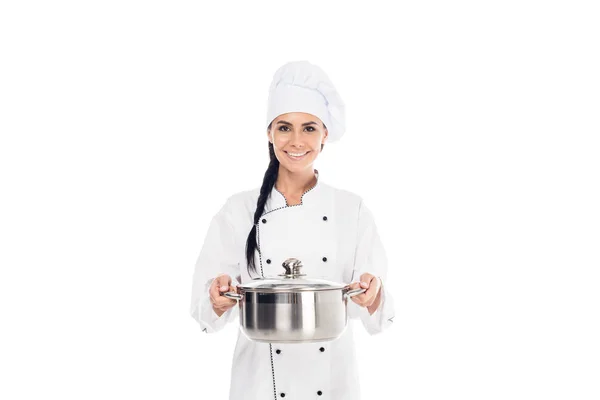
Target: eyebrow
<point x="304" y="124"/>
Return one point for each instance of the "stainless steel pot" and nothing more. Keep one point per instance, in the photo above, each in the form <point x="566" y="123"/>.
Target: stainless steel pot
<point x="293" y="309"/>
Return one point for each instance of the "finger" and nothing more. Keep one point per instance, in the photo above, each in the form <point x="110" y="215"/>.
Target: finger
<point x="214" y="289"/>
<point x="373" y="291"/>
<point x="229" y="289"/>
<point x="220" y="284"/>
<point x="378" y="287"/>
<point x="369" y="300"/>
<point x="353" y="286"/>
<point x="222" y="302"/>
<point x="366" y="280"/>
<point x="358" y="298"/>
<point x="224" y="280"/>
<point x="216" y="294"/>
<point x="364" y="299"/>
<point x="372" y="284"/>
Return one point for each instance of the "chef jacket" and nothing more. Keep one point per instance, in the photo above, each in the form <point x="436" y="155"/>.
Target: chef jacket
<point x="333" y="233"/>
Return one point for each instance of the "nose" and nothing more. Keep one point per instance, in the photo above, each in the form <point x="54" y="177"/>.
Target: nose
<point x="296" y="140"/>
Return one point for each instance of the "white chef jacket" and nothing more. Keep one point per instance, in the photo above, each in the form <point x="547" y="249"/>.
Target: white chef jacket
<point x="334" y="235"/>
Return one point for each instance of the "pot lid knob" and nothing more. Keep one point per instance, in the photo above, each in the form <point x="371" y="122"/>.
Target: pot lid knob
<point x="292" y="268"/>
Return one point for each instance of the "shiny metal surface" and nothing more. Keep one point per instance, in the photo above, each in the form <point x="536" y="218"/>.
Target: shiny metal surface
<point x="287" y="285"/>
<point x="293" y="317"/>
<point x="291" y="280"/>
<point x="292" y="268"/>
<point x="293" y="310"/>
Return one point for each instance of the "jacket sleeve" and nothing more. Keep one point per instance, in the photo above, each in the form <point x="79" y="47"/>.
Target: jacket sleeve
<point x="371" y="257"/>
<point x="217" y="256"/>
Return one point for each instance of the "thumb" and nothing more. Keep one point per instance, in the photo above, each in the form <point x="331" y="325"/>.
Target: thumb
<point x="223" y="281"/>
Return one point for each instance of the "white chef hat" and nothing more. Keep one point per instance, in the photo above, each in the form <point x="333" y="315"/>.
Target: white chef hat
<point x="300" y="86"/>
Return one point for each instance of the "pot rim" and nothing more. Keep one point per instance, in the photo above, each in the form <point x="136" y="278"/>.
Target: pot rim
<point x="283" y="289"/>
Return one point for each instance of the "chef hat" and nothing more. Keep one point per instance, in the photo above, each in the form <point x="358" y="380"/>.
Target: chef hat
<point x="300" y="86"/>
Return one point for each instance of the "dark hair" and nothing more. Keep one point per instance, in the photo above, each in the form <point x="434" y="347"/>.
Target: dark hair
<point x="265" y="190"/>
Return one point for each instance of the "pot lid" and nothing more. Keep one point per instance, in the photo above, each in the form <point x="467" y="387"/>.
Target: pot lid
<point x="291" y="280"/>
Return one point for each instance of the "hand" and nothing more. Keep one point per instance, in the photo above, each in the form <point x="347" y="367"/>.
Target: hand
<point x="372" y="297"/>
<point x="221" y="284"/>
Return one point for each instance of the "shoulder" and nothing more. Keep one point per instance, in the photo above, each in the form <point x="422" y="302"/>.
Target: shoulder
<point x="245" y="197"/>
<point x="240" y="206"/>
<point x="344" y="197"/>
<point x="350" y="203"/>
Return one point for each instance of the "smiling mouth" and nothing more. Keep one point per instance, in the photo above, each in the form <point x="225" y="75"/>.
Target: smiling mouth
<point x="296" y="158"/>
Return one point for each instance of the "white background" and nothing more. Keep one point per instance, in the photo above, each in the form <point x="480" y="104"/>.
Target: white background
<point x="472" y="134"/>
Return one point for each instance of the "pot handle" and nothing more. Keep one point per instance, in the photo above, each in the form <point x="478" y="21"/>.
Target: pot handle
<point x="232" y="295"/>
<point x="354" y="292"/>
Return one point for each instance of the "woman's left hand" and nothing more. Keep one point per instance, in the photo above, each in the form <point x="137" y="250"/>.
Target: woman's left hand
<point x="372" y="297"/>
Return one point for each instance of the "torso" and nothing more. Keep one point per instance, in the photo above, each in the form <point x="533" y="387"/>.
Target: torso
<point x="321" y="231"/>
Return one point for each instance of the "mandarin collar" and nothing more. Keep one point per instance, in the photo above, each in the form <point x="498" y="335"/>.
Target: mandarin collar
<point x="277" y="199"/>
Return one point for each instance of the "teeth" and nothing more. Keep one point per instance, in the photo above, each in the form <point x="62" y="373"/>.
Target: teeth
<point x="296" y="155"/>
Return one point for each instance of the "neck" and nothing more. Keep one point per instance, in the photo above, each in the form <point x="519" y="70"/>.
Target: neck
<point x="295" y="183"/>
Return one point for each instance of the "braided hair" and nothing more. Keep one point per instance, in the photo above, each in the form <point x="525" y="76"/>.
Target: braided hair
<point x="265" y="190"/>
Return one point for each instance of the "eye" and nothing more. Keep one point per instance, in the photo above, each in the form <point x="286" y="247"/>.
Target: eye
<point x="311" y="128"/>
<point x="283" y="126"/>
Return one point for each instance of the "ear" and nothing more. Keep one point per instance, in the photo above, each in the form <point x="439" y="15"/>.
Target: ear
<point x="325" y="136"/>
<point x="269" y="136"/>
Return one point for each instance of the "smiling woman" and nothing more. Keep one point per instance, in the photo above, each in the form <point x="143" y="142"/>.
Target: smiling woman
<point x="294" y="214"/>
<point x="298" y="139"/>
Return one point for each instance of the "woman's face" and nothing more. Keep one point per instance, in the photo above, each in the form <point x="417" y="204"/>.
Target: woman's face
<point x="297" y="134"/>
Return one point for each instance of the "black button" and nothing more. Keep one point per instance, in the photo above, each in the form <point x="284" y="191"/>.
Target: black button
<point x="282" y="394"/>
<point x="322" y="349"/>
<point x="324" y="218"/>
<point x="319" y="393"/>
<point x="325" y="259"/>
<point x="278" y="351"/>
<point x="268" y="261"/>
<point x="264" y="221"/>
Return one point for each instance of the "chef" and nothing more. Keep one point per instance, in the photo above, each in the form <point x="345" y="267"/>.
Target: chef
<point x="294" y="214"/>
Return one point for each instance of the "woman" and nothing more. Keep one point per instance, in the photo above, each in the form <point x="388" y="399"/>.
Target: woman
<point x="294" y="214"/>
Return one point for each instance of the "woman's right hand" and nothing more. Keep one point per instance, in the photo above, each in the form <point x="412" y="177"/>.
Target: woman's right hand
<point x="220" y="303"/>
